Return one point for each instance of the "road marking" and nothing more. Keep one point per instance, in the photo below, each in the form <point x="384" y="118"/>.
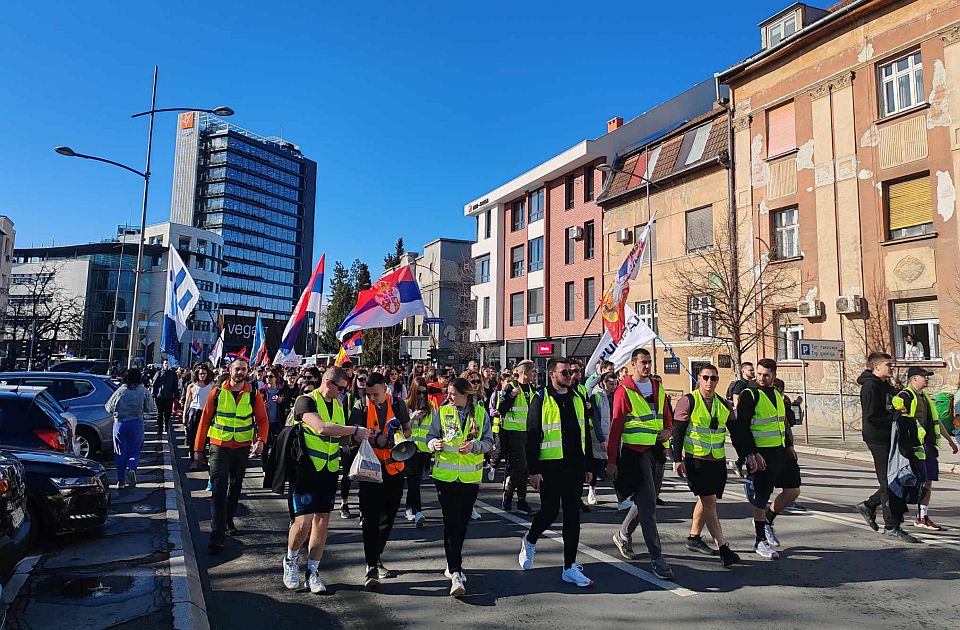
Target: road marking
<point x="597" y="555"/>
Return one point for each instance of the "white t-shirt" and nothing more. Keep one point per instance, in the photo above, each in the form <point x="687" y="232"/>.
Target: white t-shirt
<point x="645" y="388"/>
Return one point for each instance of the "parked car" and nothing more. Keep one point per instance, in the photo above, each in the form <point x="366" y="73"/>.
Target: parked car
<point x="84" y="396"/>
<point x="87" y="366"/>
<point x="14" y="519"/>
<point x="31" y="418"/>
<point x="65" y="493"/>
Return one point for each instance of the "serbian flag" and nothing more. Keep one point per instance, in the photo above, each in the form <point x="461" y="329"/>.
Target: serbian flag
<point x="195" y="348"/>
<point x="232" y="356"/>
<point x="388" y="302"/>
<point x="309" y="302"/>
<point x="614" y="316"/>
<point x="349" y="348"/>
<point x="259" y="350"/>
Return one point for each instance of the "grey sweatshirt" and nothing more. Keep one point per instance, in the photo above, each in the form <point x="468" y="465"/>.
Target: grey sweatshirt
<point x="129" y="404"/>
<point x="482" y="444"/>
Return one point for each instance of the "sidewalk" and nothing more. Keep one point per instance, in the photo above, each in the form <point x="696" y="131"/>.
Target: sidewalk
<point x="826" y="442"/>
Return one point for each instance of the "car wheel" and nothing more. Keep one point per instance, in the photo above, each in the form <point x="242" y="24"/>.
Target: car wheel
<point x="85" y="443"/>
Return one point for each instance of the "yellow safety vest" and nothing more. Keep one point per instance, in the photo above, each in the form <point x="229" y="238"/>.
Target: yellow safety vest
<point x="701" y="440"/>
<point x="516" y="419"/>
<point x="449" y="464"/>
<point x="233" y="419"/>
<point x="918" y="450"/>
<point x="418" y="431"/>
<point x="551" y="446"/>
<point x="324" y="451"/>
<point x="642" y="425"/>
<point x="768" y="424"/>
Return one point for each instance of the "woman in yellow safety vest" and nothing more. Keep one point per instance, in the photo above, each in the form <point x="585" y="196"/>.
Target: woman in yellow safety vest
<point x="459" y="435"/>
<point x="421" y="414"/>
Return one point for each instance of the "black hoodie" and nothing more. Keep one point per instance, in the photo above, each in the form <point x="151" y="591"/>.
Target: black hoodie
<point x="875" y="404"/>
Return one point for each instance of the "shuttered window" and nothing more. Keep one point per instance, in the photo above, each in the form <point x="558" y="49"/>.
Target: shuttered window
<point x="917" y="310"/>
<point x="781" y="130"/>
<point x="909" y="207"/>
<point x="699" y="225"/>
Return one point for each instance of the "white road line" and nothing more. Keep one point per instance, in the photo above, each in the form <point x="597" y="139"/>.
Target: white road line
<point x="597" y="555"/>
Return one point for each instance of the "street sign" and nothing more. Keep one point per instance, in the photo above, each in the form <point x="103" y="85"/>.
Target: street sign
<point x="544" y="348"/>
<point x="821" y="350"/>
<point x="433" y="320"/>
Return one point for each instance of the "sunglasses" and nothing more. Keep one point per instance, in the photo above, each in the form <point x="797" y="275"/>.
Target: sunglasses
<point x="708" y="378"/>
<point x="339" y="386"/>
<point x="362" y="379"/>
<point x="309" y="379"/>
<point x="565" y="372"/>
<point x="474" y="382"/>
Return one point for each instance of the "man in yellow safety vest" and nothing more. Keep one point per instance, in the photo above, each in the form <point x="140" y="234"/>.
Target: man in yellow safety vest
<point x="513" y="408"/>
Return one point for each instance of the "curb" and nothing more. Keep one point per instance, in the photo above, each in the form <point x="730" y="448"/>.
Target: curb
<point x="189" y="607"/>
<point x="859" y="456"/>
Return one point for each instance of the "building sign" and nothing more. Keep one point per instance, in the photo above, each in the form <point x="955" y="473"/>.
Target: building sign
<point x="186" y="120"/>
<point x="671" y="365"/>
<point x="544" y="348"/>
<point x="724" y="361"/>
<point x="238" y="333"/>
<point x="821" y="350"/>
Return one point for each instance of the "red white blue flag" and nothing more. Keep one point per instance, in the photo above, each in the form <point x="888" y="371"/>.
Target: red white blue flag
<point x="259" y="350"/>
<point x="388" y="302"/>
<point x="309" y="302"/>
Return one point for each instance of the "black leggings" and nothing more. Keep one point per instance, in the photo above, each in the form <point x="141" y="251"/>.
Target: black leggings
<point x="560" y="485"/>
<point x="413" y="469"/>
<point x="457" y="501"/>
<point x="346" y="461"/>
<point x="378" y="507"/>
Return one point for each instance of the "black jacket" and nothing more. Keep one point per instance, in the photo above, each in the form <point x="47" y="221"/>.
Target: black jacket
<point x="284" y="460"/>
<point x="166" y="384"/>
<point x="875" y="404"/>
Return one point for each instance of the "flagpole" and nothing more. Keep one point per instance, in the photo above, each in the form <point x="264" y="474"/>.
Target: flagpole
<point x="653" y="311"/>
<point x="584" y="334"/>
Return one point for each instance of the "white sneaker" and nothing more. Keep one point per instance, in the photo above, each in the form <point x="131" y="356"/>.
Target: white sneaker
<point x="575" y="575"/>
<point x="418" y="519"/>
<point x="315" y="582"/>
<point x="475" y="515"/>
<point x="765" y="551"/>
<point x="624" y="505"/>
<point x="291" y="573"/>
<point x="527" y="551"/>
<point x="456" y="585"/>
<point x="408" y="514"/>
<point x="771" y="535"/>
<point x="449" y="576"/>
<point x="592" y="496"/>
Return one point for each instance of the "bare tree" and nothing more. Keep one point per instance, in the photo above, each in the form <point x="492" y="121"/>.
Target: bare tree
<point x="39" y="310"/>
<point x="461" y="346"/>
<point x="705" y="304"/>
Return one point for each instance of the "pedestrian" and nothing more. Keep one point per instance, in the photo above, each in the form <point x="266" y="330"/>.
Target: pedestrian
<point x="514" y="407"/>
<point x="196" y="396"/>
<point x="235" y="420"/>
<point x="129" y="404"/>
<point x="762" y="437"/>
<point x="357" y="394"/>
<point x="641" y="423"/>
<point x="384" y="416"/>
<point x="558" y="453"/>
<point x="275" y="399"/>
<point x="914" y="402"/>
<point x="320" y="418"/>
<point x="421" y="415"/>
<point x="437" y="381"/>
<point x="165" y="386"/>
<point x="747" y="374"/>
<point x="602" y="416"/>
<point x="699" y="454"/>
<point x="460" y="433"/>
<point x="396" y="385"/>
<point x="292" y="376"/>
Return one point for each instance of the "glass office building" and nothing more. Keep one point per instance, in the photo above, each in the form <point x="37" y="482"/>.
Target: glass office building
<point x="259" y="194"/>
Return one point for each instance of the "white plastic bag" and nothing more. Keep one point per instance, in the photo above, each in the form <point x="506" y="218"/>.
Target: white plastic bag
<point x="366" y="466"/>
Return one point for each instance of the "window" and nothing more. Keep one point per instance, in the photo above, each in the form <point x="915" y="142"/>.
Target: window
<point x="589" y="233"/>
<point x="782" y="29"/>
<point x="486" y="313"/>
<point x="568" y="191"/>
<point x="901" y="84"/>
<point x="518" y="217"/>
<point x="535" y="254"/>
<point x="781" y="130"/>
<point x="536" y="205"/>
<point x="589" y="297"/>
<point x="786" y="233"/>
<point x="569" y="301"/>
<point x="909" y="207"/>
<point x="535" y="306"/>
<point x="482" y="267"/>
<point x="647" y="315"/>
<point x="699" y="224"/>
<point x="588" y="183"/>
<point x="694" y="142"/>
<point x="700" y="324"/>
<point x="516" y="309"/>
<point x="789" y="334"/>
<point x="487" y="217"/>
<point x="916" y="330"/>
<point x="571" y="245"/>
<point x="516" y="261"/>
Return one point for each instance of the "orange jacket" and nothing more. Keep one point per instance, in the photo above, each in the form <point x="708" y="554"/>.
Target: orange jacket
<point x="210" y="408"/>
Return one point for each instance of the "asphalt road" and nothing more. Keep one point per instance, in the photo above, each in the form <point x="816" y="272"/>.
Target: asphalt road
<point x="834" y="572"/>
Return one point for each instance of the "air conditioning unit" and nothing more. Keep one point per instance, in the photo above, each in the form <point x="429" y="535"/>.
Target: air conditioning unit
<point x="576" y="233"/>
<point x="625" y="235"/>
<point x="849" y="305"/>
<point x="811" y="309"/>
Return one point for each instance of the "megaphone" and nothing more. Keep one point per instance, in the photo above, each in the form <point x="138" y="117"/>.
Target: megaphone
<point x="404" y="449"/>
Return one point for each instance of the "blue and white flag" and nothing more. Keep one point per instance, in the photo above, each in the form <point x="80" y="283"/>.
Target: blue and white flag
<point x="182" y="297"/>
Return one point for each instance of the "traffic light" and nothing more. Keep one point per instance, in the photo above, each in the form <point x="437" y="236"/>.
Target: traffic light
<point x="432" y="353"/>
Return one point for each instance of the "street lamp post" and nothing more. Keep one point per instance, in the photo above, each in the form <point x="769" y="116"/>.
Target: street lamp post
<point x="145" y="174"/>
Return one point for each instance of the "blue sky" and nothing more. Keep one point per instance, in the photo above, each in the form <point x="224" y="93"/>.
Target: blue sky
<point x="409" y="109"/>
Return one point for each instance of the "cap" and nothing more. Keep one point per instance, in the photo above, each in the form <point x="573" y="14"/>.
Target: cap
<point x="918" y="371"/>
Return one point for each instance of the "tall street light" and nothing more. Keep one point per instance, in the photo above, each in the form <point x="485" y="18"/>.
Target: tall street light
<point x="145" y="174"/>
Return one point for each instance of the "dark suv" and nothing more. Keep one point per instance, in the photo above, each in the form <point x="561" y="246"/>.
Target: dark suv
<point x="30" y="418"/>
<point x="14" y="520"/>
<point x="90" y="366"/>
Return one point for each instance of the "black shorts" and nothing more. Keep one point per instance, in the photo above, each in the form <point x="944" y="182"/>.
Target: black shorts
<point x="706" y="477"/>
<point x="315" y="495"/>
<point x="782" y="471"/>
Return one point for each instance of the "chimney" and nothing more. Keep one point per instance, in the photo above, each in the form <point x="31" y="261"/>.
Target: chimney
<point x="614" y="123"/>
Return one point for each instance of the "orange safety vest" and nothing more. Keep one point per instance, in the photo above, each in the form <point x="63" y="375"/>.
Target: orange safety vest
<point x="383" y="454"/>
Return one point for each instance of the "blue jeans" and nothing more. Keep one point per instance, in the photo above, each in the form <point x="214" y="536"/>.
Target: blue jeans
<point x="127" y="442"/>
